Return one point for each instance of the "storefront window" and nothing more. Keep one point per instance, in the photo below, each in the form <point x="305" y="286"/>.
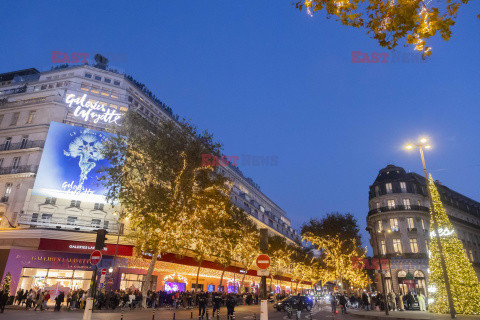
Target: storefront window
<point x="134" y="281"/>
<point x="54" y="280"/>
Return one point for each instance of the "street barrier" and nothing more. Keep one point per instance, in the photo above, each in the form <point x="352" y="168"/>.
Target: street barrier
<point x="121" y="316"/>
<point x="153" y="315"/>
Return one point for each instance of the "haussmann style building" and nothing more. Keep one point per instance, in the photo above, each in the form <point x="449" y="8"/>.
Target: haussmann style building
<point x="399" y="225"/>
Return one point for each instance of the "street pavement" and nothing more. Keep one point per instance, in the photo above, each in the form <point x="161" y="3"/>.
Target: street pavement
<point x="241" y="313"/>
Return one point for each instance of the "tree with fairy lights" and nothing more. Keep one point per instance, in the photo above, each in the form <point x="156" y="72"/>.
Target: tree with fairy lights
<point x="392" y="23"/>
<point x="338" y="239"/>
<point x="158" y="177"/>
<point x="464" y="284"/>
<point x="248" y="249"/>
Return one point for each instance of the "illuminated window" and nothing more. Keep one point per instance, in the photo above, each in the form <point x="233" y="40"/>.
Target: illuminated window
<point x="388" y="186"/>
<point x="114" y="94"/>
<point x="394" y="224"/>
<point x="391" y="204"/>
<point x="414" y="245"/>
<point x="31" y="116"/>
<point x="397" y="246"/>
<point x="423" y="224"/>
<point x="378" y="205"/>
<point x="95" y="89"/>
<point x="383" y="247"/>
<point x="379" y="226"/>
<point x="85" y="86"/>
<point x="419" y="203"/>
<point x="105" y="92"/>
<point x="124" y="109"/>
<point x="114" y="106"/>
<point x="470" y="255"/>
<point x="403" y="186"/>
<point x="406" y="203"/>
<point x="411" y="223"/>
<point x="8" y="190"/>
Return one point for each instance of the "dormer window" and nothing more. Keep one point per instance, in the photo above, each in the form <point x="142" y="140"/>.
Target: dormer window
<point x="403" y="186"/>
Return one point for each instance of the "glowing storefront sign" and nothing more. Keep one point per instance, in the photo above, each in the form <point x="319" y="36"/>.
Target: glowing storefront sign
<point x="442" y="232"/>
<point x="92" y="110"/>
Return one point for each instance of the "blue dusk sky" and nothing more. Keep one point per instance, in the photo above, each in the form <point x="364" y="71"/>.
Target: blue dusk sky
<point x="268" y="80"/>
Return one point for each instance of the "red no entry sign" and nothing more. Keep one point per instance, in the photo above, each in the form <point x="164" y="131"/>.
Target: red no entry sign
<point x="95" y="257"/>
<point x="104" y="271"/>
<point x="263" y="261"/>
<point x="110" y="282"/>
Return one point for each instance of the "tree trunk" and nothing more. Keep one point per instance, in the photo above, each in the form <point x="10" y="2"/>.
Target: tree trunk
<point x="271" y="280"/>
<point x="148" y="280"/>
<point x="198" y="273"/>
<point x="221" y="279"/>
<point x="243" y="279"/>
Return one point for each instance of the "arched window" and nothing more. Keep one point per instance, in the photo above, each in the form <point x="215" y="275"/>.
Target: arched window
<point x="419" y="274"/>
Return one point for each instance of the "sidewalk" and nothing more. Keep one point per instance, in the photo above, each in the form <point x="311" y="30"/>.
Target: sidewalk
<point x="401" y="315"/>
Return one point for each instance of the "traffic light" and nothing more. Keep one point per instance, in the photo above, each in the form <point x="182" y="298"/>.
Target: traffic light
<point x="100" y="242"/>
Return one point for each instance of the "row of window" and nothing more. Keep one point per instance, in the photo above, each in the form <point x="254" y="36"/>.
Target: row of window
<point x="403" y="188"/>
<point x="16" y="116"/>
<point x="8" y="143"/>
<point x="57" y="76"/>
<point x="394" y="224"/>
<point x="51" y="85"/>
<point x="104" y="91"/>
<point x="397" y="246"/>
<point x="99" y="78"/>
<point x="15" y="162"/>
<point x="391" y="204"/>
<point x="71" y="220"/>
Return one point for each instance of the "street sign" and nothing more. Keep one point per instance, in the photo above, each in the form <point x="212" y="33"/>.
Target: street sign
<point x="262" y="273"/>
<point x="110" y="282"/>
<point x="95" y="257"/>
<point x="263" y="261"/>
<point x="104" y="271"/>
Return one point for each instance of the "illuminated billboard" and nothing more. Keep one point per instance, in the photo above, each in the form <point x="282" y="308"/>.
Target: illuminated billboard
<point x="69" y="164"/>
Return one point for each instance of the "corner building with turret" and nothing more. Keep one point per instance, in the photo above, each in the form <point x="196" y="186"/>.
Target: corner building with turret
<point x="399" y="225"/>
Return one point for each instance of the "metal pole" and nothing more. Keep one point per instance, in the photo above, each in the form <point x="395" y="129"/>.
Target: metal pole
<point x="437" y="236"/>
<point x="381" y="273"/>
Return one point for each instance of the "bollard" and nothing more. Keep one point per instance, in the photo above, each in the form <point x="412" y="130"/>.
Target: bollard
<point x="233" y="315"/>
<point x="173" y="315"/>
<point x="254" y="316"/>
<point x="311" y="316"/>
<point x="218" y="314"/>
<point x="121" y="317"/>
<point x="153" y="316"/>
<point x="207" y="314"/>
<point x="191" y="314"/>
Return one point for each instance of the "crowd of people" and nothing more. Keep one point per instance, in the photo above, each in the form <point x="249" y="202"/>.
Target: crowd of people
<point x="371" y="301"/>
<point x="131" y="298"/>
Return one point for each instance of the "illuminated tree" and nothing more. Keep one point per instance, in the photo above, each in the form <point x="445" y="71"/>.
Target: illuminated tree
<point x="248" y="249"/>
<point x="463" y="280"/>
<point x="157" y="176"/>
<point x="338" y="239"/>
<point x="392" y="22"/>
<point x="279" y="252"/>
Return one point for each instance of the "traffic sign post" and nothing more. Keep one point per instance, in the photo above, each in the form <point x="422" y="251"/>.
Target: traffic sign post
<point x="95" y="259"/>
<point x="263" y="261"/>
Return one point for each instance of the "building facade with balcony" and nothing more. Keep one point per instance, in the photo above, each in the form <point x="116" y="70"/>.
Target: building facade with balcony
<point x="399" y="225"/>
<point x="31" y="104"/>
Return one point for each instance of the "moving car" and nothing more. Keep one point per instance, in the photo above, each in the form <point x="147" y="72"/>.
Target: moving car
<point x="291" y="302"/>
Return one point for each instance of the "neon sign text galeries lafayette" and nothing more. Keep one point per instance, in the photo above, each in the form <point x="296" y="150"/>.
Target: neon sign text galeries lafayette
<point x="92" y="110"/>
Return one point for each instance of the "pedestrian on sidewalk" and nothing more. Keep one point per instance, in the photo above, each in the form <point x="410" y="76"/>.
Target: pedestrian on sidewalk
<point x="3" y="299"/>
<point x="421" y="302"/>
<point x="202" y="303"/>
<point x="401" y="306"/>
<point x="333" y="303"/>
<point x="343" y="303"/>
<point x="230" y="304"/>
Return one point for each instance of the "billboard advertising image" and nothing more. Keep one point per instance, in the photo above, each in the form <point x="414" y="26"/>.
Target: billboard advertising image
<point x="69" y="164"/>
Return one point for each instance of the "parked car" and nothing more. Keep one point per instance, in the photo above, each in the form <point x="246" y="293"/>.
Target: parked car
<point x="291" y="303"/>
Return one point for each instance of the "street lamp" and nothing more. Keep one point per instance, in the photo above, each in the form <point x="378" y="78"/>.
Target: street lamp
<point x="372" y="231"/>
<point x="423" y="145"/>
